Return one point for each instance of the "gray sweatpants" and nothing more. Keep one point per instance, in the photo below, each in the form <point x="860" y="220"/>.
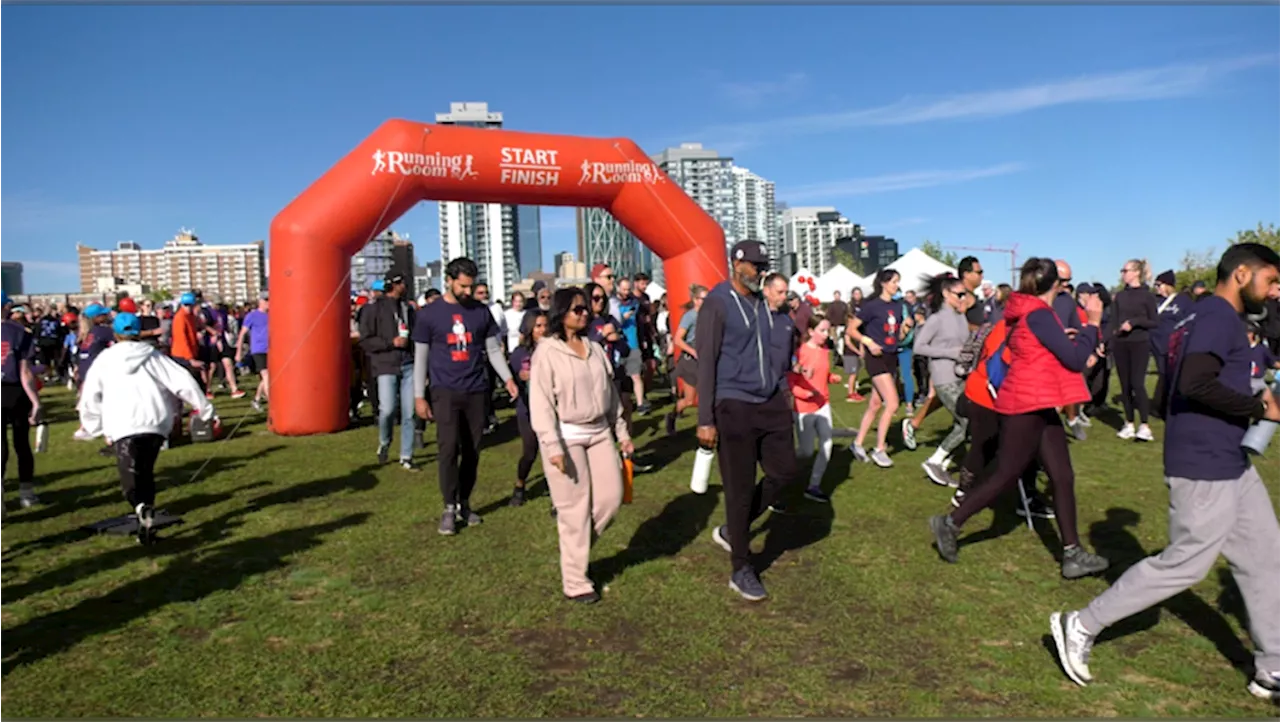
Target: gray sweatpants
<point x="1207" y="518"/>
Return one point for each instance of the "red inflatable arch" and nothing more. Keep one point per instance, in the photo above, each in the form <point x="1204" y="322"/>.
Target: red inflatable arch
<point x="403" y="163"/>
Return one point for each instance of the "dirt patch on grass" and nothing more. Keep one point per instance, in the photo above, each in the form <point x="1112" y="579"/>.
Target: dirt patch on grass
<point x="192" y="634"/>
<point x="850" y="673"/>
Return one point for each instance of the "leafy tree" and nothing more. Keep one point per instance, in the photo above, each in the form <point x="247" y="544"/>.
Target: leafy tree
<point x="1267" y="235"/>
<point x="1203" y="266"/>
<point x="936" y="252"/>
<point x="160" y="295"/>
<point x="847" y="260"/>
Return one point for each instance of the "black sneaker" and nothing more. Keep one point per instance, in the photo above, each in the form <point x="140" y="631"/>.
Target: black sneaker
<point x="448" y="522"/>
<point x="946" y="536"/>
<point x="671" y="424"/>
<point x="748" y="584"/>
<point x="589" y="598"/>
<point x="146" y="516"/>
<point x="408" y="465"/>
<point x="468" y="517"/>
<point x="644" y="409"/>
<point x="517" y="496"/>
<point x="383" y="453"/>
<point x="778" y="507"/>
<point x="813" y="493"/>
<point x="1077" y="563"/>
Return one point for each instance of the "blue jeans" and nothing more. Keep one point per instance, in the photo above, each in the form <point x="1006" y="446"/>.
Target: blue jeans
<point x="908" y="376"/>
<point x="389" y="385"/>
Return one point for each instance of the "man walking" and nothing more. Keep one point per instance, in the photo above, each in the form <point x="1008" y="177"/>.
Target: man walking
<point x="384" y="335"/>
<point x="743" y="351"/>
<point x="454" y="340"/>
<point x="1217" y="501"/>
<point x="255" y="329"/>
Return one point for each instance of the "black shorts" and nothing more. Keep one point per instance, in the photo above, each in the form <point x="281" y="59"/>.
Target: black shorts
<point x="260" y="362"/>
<point x="687" y="370"/>
<point x="885" y="363"/>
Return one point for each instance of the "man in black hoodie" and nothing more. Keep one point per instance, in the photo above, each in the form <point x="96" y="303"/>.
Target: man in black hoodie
<point x="385" y="325"/>
<point x="743" y="352"/>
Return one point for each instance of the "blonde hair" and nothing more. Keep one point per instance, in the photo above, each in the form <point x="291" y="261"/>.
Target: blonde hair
<point x="1144" y="269"/>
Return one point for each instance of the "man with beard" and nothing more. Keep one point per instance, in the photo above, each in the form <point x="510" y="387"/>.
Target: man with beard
<point x="541" y="295"/>
<point x="744" y="349"/>
<point x="1217" y="501"/>
<point x="454" y="338"/>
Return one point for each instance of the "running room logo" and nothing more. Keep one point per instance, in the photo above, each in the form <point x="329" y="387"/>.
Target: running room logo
<point x="430" y="165"/>
<point x="629" y="171"/>
<point x="530" y="167"/>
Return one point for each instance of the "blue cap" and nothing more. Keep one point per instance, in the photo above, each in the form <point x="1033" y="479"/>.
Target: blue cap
<point x="4" y="299"/>
<point x="1086" y="288"/>
<point x="379" y="285"/>
<point x="188" y="299"/>
<point x="127" y="324"/>
<point x="95" y="310"/>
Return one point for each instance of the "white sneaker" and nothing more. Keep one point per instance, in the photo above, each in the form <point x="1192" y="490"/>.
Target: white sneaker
<point x="1073" y="644"/>
<point x="908" y="434"/>
<point x="82" y="435"/>
<point x="1144" y="433"/>
<point x="1127" y="432"/>
<point x="1083" y="420"/>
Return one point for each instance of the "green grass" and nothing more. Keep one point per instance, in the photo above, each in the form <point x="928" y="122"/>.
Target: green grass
<point x="307" y="581"/>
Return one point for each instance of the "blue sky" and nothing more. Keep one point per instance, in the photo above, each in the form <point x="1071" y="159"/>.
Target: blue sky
<point x="1095" y="133"/>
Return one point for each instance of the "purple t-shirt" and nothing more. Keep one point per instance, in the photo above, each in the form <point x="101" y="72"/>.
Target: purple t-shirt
<point x="15" y="345"/>
<point x="256" y="322"/>
<point x="456" y="334"/>
<point x="881" y="320"/>
<point x="1199" y="445"/>
<point x="1260" y="359"/>
<point x="520" y="361"/>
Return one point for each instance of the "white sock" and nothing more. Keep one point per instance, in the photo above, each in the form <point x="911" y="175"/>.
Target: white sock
<point x="939" y="457"/>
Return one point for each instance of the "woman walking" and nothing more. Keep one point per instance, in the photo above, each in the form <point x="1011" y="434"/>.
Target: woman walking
<point x="1044" y="373"/>
<point x="852" y="351"/>
<point x="1132" y="319"/>
<point x="687" y="367"/>
<point x="876" y="330"/>
<point x="811" y="391"/>
<point x="533" y="326"/>
<point x="575" y="411"/>
<point x="940" y="340"/>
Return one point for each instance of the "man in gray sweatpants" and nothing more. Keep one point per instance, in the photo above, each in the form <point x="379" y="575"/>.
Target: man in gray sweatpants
<point x="1217" y="501"/>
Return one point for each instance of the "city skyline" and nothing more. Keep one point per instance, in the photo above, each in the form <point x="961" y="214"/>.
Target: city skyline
<point x="1134" y="148"/>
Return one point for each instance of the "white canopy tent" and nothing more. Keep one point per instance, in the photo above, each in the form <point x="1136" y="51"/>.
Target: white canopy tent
<point x="837" y="278"/>
<point x="800" y="282"/>
<point x="916" y="268"/>
<point x="654" y="291"/>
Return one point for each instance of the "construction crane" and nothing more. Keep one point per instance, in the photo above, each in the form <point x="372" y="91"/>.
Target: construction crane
<point x="1013" y="257"/>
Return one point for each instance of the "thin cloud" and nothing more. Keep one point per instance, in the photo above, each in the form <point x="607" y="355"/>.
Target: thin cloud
<point x="898" y="182"/>
<point x="1169" y="81"/>
<point x="755" y="93"/>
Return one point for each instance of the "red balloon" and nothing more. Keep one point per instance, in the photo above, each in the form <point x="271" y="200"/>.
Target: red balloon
<point x="812" y="285"/>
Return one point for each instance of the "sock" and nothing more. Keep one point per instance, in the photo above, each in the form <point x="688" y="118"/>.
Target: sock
<point x="939" y="457"/>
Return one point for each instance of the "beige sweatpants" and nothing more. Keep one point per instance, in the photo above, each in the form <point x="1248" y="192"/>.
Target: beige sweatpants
<point x="590" y="491"/>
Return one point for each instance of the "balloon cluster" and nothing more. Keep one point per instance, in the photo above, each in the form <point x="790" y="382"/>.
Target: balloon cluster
<point x="809" y="298"/>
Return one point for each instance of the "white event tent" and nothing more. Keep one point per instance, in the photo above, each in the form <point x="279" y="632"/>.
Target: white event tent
<point x="916" y="268"/>
<point x="837" y="278"/>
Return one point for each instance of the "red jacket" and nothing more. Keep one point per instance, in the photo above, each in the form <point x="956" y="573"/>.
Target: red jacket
<point x="1037" y="379"/>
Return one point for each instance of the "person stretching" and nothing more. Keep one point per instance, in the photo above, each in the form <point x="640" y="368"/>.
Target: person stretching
<point x="940" y="340"/>
<point x="1134" y="315"/>
<point x="810" y="386"/>
<point x="1217" y="501"/>
<point x="877" y="329"/>
<point x="1045" y="373"/>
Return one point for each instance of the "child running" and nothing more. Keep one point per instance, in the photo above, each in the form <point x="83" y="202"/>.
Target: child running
<point x="126" y="398"/>
<point x="812" y="394"/>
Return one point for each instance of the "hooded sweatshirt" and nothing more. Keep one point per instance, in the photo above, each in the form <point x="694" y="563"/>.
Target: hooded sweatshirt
<point x="572" y="398"/>
<point x="129" y="392"/>
<point x="743" y="350"/>
<point x="940" y="340"/>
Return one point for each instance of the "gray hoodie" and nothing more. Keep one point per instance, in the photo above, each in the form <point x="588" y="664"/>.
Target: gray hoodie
<point x="940" y="340"/>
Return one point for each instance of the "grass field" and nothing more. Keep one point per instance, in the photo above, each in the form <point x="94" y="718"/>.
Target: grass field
<point x="308" y="581"/>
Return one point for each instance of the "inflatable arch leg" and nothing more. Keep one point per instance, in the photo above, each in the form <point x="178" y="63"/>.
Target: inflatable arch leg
<point x="403" y="163"/>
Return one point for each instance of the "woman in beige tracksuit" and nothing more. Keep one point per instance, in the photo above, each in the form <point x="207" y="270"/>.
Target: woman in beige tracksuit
<point x="575" y="411"/>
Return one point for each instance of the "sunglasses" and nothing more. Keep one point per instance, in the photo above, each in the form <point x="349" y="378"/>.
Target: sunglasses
<point x="580" y="308"/>
<point x="597" y="299"/>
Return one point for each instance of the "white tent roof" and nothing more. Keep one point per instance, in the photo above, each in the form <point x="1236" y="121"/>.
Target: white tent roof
<point x="916" y="268"/>
<point x="802" y="286"/>
<point x="654" y="291"/>
<point x="837" y="278"/>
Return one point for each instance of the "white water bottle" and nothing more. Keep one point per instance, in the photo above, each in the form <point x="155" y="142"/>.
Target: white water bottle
<point x="701" y="470"/>
<point x="42" y="438"/>
<point x="1258" y="437"/>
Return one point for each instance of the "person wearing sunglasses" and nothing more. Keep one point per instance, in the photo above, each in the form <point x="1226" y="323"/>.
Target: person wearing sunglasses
<point x="576" y="414"/>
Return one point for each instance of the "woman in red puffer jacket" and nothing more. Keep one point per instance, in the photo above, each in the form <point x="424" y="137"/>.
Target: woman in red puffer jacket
<point x="1045" y="366"/>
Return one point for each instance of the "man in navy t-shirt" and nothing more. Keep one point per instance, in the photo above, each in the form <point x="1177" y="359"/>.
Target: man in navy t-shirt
<point x="1217" y="501"/>
<point x="454" y="339"/>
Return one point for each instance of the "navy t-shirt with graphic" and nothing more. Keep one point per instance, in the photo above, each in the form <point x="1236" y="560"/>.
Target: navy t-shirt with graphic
<point x="880" y="321"/>
<point x="1201" y="445"/>
<point x="520" y="360"/>
<point x="596" y="325"/>
<point x="15" y="345"/>
<point x="1260" y="359"/>
<point x="456" y="333"/>
<point x="97" y="341"/>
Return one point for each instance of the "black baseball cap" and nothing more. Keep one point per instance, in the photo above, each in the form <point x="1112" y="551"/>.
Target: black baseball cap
<point x="749" y="251"/>
<point x="392" y="278"/>
<point x="1086" y="288"/>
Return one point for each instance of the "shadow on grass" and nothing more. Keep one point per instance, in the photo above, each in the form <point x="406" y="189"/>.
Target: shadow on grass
<point x="677" y="526"/>
<point x="1111" y="538"/>
<point x="188" y="578"/>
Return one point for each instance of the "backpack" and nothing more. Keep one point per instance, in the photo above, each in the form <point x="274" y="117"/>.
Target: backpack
<point x="972" y="349"/>
<point x="997" y="368"/>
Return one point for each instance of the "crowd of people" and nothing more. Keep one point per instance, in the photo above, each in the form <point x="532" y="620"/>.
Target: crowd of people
<point x="1019" y="371"/>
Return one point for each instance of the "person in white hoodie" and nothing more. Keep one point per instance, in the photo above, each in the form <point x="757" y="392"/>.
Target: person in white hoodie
<point x="127" y="398"/>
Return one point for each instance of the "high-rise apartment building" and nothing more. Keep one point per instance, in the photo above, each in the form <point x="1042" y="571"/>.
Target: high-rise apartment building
<point x="755" y="215"/>
<point x="389" y="250"/>
<point x="231" y="273"/>
<point x="505" y="241"/>
<point x="872" y="252"/>
<point x="603" y="239"/>
<point x="811" y="233"/>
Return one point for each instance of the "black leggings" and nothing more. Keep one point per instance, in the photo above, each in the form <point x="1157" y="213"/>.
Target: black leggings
<point x="17" y="411"/>
<point x="528" y="447"/>
<point x="136" y="461"/>
<point x="460" y="425"/>
<point x="1131" y="366"/>
<point x="1023" y="438"/>
<point x="984" y="443"/>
